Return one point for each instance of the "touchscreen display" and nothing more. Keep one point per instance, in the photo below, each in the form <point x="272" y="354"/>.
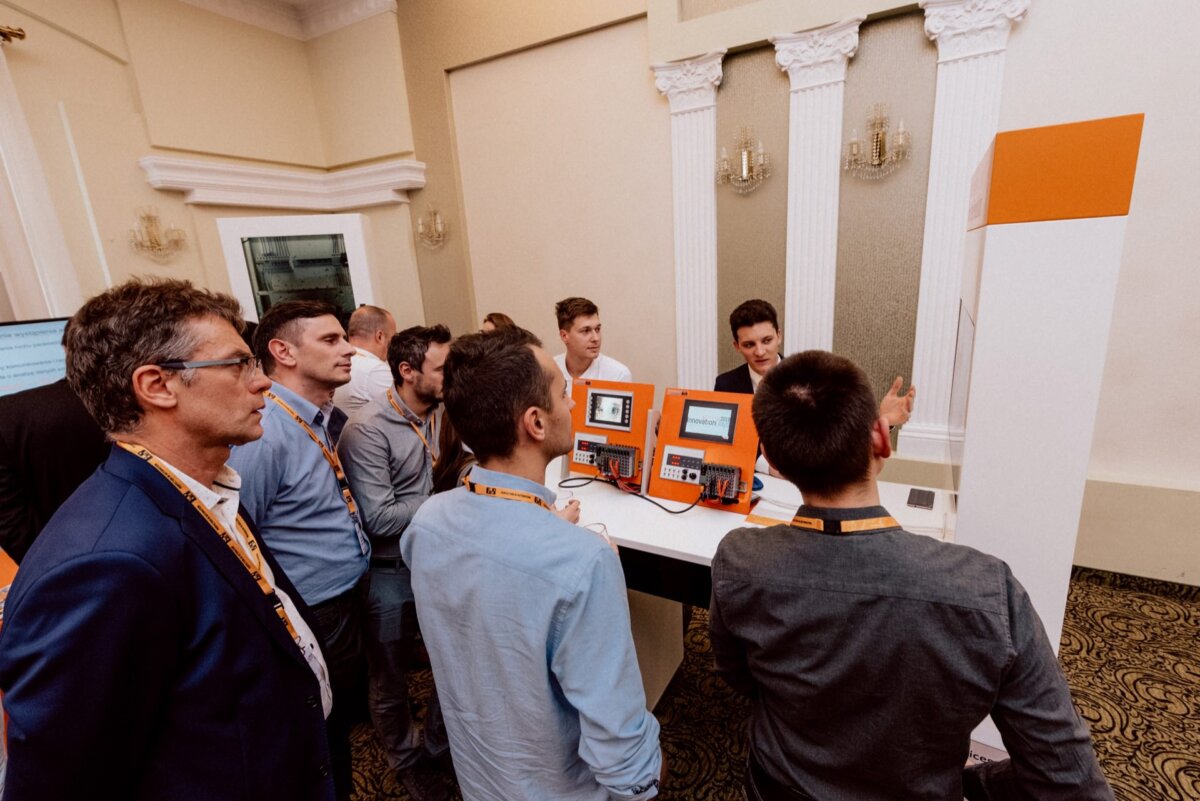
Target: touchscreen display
<point x="709" y="421"/>
<point x="609" y="409"/>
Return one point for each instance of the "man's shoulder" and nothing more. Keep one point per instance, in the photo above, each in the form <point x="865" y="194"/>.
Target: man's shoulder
<point x="735" y="380"/>
<point x="612" y="370"/>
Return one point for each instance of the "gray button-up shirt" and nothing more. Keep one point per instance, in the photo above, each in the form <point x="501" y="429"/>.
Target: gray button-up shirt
<point x="390" y="471"/>
<point x="871" y="656"/>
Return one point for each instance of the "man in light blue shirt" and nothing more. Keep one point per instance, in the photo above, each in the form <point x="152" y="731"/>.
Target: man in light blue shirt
<point x="294" y="488"/>
<point x="525" y="615"/>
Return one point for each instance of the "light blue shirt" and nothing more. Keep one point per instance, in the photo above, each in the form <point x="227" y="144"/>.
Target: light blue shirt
<point x="292" y="495"/>
<point x="527" y="625"/>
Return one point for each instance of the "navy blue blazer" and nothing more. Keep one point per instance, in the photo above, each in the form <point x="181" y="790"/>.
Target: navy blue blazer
<point x="139" y="659"/>
<point x="735" y="380"/>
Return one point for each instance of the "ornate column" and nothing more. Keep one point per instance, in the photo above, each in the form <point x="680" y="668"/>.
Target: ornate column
<point x="815" y="62"/>
<point x="971" y="37"/>
<point x="691" y="88"/>
<point x="36" y="264"/>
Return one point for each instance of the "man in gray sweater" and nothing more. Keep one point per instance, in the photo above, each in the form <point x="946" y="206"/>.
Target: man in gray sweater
<point x="388" y="448"/>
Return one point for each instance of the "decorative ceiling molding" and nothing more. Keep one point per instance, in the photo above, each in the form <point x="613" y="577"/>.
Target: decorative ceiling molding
<point x="297" y="19"/>
<point x="214" y="183"/>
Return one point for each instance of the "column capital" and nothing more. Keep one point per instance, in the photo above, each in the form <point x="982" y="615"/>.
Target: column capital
<point x="966" y="28"/>
<point x="817" y="57"/>
<point x="692" y="84"/>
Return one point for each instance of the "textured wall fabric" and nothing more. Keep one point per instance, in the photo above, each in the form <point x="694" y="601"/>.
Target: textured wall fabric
<point x="881" y="222"/>
<point x="751" y="229"/>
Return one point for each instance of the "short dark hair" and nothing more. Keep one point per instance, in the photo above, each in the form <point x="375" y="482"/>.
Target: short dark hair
<point x="750" y="313"/>
<point x="814" y="413"/>
<point x="410" y="346"/>
<point x="490" y="380"/>
<point x="140" y="322"/>
<point x="568" y="309"/>
<point x="499" y="320"/>
<point x="366" y="320"/>
<point x="281" y="322"/>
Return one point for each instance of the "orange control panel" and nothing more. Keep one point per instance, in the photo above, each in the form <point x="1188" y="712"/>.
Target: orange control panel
<point x="707" y="446"/>
<point x="608" y="424"/>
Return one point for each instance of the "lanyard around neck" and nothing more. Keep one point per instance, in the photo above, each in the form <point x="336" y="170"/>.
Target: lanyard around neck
<point x="415" y="427"/>
<point x="330" y="456"/>
<point x="843" y="526"/>
<point x="505" y="493"/>
<point x="253" y="563"/>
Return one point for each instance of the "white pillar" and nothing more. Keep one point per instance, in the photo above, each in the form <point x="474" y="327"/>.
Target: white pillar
<point x="691" y="88"/>
<point x="971" y="37"/>
<point x="34" y="260"/>
<point x="815" y="62"/>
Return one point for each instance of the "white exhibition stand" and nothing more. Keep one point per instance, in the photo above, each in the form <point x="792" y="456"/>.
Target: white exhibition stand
<point x="1049" y="208"/>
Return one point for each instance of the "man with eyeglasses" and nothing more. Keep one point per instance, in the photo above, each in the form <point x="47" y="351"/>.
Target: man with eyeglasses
<point x="294" y="488"/>
<point x="152" y="647"/>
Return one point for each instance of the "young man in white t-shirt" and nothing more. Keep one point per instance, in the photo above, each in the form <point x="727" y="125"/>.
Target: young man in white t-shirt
<point x="579" y="329"/>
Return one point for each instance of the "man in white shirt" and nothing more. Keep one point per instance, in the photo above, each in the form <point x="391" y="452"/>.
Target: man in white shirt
<point x="579" y="330"/>
<point x="369" y="331"/>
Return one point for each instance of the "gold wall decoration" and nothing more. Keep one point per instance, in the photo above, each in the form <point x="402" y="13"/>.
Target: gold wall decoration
<point x="750" y="165"/>
<point x="153" y="239"/>
<point x="431" y="229"/>
<point x="8" y="34"/>
<point x="881" y="152"/>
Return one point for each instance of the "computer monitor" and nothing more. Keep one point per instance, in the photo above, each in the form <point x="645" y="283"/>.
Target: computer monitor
<point x="31" y="354"/>
<point x="708" y="421"/>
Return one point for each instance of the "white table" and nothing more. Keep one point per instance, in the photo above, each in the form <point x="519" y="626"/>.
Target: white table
<point x="667" y="557"/>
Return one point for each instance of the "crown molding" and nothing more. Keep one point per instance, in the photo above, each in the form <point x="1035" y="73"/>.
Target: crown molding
<point x="214" y="183"/>
<point x="301" y="21"/>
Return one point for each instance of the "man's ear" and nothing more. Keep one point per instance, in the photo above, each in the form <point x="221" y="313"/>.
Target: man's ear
<point x="151" y="389"/>
<point x="532" y="424"/>
<point x="562" y="334"/>
<point x="281" y="352"/>
<point x="881" y="439"/>
<point x="406" y="371"/>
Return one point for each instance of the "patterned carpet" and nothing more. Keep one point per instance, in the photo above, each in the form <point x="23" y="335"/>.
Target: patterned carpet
<point x="1130" y="650"/>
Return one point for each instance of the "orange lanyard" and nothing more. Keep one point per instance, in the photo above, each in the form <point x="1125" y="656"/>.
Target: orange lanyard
<point x="843" y="526"/>
<point x="505" y="493"/>
<point x="254" y="567"/>
<point x="330" y="456"/>
<point x="416" y="428"/>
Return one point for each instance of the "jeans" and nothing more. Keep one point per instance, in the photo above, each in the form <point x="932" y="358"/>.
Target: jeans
<point x="339" y="624"/>
<point x="391" y="646"/>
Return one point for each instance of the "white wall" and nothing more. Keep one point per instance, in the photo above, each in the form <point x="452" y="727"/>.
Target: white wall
<point x="564" y="154"/>
<point x="1081" y="59"/>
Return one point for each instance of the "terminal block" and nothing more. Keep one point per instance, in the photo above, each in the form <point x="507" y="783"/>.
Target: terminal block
<point x="615" y="461"/>
<point x="721" y="482"/>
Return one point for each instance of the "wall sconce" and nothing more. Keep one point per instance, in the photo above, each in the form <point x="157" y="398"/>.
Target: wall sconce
<point x="8" y="34"/>
<point x="750" y="166"/>
<point x="150" y="238"/>
<point x="431" y="229"/>
<point x="879" y="155"/>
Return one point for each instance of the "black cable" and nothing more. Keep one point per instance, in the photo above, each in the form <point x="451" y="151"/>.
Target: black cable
<point x="583" y="482"/>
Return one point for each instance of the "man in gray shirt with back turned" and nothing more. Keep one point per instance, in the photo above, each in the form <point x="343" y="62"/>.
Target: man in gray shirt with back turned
<point x="871" y="653"/>
<point x="388" y="448"/>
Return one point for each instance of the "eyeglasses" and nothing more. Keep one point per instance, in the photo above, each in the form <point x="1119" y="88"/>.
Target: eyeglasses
<point x="251" y="365"/>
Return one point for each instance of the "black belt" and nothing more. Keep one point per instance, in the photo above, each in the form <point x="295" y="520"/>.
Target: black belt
<point x="393" y="563"/>
<point x="767" y="788"/>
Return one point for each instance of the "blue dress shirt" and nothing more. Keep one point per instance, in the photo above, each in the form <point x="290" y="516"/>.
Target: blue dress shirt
<point x="292" y="495"/>
<point x="527" y="624"/>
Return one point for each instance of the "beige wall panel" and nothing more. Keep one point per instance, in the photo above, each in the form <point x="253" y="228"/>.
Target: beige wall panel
<point x="566" y="175"/>
<point x="358" y="80"/>
<point x="1080" y="59"/>
<point x="93" y="22"/>
<point x="437" y="35"/>
<point x="751" y="229"/>
<point x="881" y="222"/>
<point x="52" y="67"/>
<point x="210" y="84"/>
<point x="394" y="264"/>
<point x="691" y="9"/>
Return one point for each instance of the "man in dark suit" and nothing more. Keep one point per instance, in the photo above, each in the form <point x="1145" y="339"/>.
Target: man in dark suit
<point x="755" y="329"/>
<point x="48" y="445"/>
<point x="152" y="648"/>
